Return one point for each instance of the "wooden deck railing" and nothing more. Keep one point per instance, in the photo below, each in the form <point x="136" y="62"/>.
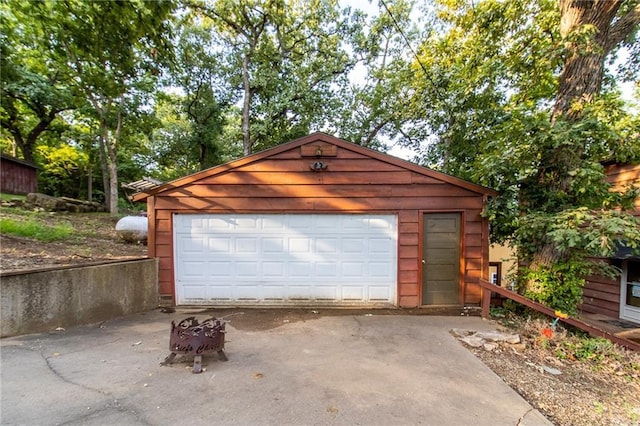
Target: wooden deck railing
<point x="488" y="288"/>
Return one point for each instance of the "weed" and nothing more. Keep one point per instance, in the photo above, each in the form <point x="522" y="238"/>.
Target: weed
<point x="633" y="412"/>
<point x="599" y="407"/>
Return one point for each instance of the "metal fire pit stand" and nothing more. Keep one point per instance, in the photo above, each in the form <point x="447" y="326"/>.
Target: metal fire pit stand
<point x="189" y="337"/>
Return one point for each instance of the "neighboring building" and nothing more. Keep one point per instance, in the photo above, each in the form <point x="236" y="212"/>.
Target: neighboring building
<point x="17" y="176"/>
<point x="502" y="265"/>
<point x="319" y="221"/>
<point x="618" y="298"/>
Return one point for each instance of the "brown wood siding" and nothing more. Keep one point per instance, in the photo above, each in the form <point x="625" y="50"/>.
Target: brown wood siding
<point x="17" y="177"/>
<point x="602" y="296"/>
<point x="352" y="183"/>
<point x="622" y="176"/>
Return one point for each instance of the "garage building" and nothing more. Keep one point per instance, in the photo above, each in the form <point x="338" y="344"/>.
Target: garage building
<point x="318" y="221"/>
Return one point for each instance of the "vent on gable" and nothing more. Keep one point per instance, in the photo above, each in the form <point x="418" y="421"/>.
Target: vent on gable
<point x="319" y="149"/>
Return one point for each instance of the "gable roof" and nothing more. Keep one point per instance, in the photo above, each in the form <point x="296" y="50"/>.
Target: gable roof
<point x="315" y="137"/>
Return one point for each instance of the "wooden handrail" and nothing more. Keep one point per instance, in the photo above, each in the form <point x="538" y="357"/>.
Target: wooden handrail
<point x="488" y="288"/>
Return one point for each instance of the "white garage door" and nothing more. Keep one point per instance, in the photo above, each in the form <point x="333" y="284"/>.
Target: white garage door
<point x="233" y="259"/>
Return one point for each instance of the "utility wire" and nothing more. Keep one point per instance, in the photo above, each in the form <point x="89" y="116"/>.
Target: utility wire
<point x="413" y="52"/>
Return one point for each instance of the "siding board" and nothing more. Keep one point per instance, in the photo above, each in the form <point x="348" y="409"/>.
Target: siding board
<point x="315" y="190"/>
<point x="266" y="204"/>
<point x="308" y="178"/>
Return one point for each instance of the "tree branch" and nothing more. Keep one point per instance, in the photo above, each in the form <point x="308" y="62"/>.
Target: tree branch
<point x="622" y="28"/>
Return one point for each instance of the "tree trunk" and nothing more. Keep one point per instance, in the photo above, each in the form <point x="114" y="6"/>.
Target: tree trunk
<point x="27" y="145"/>
<point x="90" y="183"/>
<point x="246" y="106"/>
<point x="112" y="151"/>
<point x="103" y="140"/>
<point x="583" y="66"/>
<point x="579" y="84"/>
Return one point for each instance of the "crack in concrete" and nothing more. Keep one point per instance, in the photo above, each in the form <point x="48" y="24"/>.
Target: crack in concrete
<point x="112" y="405"/>
<point x="64" y="379"/>
<point x="115" y="404"/>
<point x="523" y="416"/>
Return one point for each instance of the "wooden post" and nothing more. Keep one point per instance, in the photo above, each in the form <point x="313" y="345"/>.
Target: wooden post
<point x="486" y="302"/>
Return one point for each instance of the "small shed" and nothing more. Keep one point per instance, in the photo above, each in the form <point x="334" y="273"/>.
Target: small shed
<point x="17" y="176"/>
<point x="319" y="221"/>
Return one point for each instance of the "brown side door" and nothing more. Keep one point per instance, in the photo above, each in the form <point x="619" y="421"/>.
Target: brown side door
<point x="441" y="259"/>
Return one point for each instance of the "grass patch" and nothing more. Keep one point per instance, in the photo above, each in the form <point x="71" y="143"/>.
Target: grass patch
<point x="9" y="197"/>
<point x="31" y="228"/>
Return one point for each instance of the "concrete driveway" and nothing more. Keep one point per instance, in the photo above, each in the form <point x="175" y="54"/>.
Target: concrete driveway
<point x="363" y="369"/>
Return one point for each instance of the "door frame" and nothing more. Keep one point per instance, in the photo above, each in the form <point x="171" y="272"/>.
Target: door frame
<point x="461" y="248"/>
<point x="627" y="312"/>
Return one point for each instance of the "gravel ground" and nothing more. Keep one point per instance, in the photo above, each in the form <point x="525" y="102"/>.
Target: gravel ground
<point x="598" y="384"/>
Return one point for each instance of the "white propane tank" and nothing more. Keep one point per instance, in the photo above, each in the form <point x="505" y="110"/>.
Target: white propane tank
<point x="133" y="229"/>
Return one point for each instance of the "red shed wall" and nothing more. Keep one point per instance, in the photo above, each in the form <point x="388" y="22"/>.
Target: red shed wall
<point x="17" y="177"/>
<point x="623" y="175"/>
<point x="602" y="296"/>
<point x="352" y="183"/>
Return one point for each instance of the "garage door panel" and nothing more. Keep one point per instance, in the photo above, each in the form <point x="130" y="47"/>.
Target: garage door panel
<point x="246" y="245"/>
<point x="273" y="245"/>
<point x="195" y="292"/>
<point x="217" y="224"/>
<point x="327" y="245"/>
<point x="353" y="269"/>
<point x="326" y="269"/>
<point x="355" y="223"/>
<point x="353" y="293"/>
<point x="325" y="223"/>
<point x="300" y="292"/>
<point x="247" y="270"/>
<point x="220" y="269"/>
<point x="380" y="269"/>
<point x="192" y="245"/>
<point x="379" y="293"/>
<point x="274" y="292"/>
<point x="299" y="245"/>
<point x="354" y="246"/>
<point x="245" y="223"/>
<point x="193" y="270"/>
<point x="381" y="246"/>
<point x="325" y="292"/>
<point x="280" y="259"/>
<point x="276" y="269"/>
<point x="300" y="269"/>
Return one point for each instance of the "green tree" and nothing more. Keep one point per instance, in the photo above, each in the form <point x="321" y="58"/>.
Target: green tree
<point x="113" y="51"/>
<point x="282" y="60"/>
<point x="34" y="86"/>
<point x="62" y="171"/>
<point x="375" y="106"/>
<point x="207" y="96"/>
<point x="589" y="32"/>
<point x="498" y="92"/>
<point x="171" y="154"/>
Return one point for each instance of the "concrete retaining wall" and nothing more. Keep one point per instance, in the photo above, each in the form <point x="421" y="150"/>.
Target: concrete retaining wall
<point x="42" y="300"/>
